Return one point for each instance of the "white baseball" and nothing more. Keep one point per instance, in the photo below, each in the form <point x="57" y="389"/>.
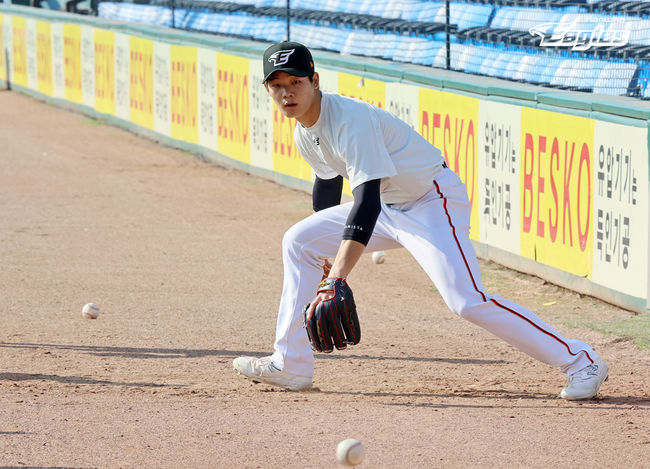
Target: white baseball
<point x="378" y="257"/>
<point x="350" y="452"/>
<point x="90" y="311"/>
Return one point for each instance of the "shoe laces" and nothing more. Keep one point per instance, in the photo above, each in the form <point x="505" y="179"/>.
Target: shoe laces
<point x="265" y="364"/>
<point x="587" y="373"/>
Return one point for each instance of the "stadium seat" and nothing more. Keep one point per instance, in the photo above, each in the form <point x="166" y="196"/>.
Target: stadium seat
<point x="528" y="18"/>
<point x="504" y="17"/>
<point x="527" y="68"/>
<point x="617" y="79"/>
<point x="488" y="38"/>
<point x="639" y="30"/>
<point x="475" y="58"/>
<point x="577" y="74"/>
<point x="429" y="11"/>
<point x="512" y="65"/>
<point x="460" y="56"/>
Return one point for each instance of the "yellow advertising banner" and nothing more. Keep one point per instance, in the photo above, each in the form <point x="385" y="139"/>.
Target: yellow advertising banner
<point x="19" y="48"/>
<point x="450" y="122"/>
<point x="366" y="89"/>
<point x="233" y="110"/>
<point x="184" y="93"/>
<point x="557" y="194"/>
<point x="72" y="62"/>
<point x="104" y="71"/>
<point x="3" y="56"/>
<point x="286" y="157"/>
<point x="44" y="65"/>
<point x="141" y="80"/>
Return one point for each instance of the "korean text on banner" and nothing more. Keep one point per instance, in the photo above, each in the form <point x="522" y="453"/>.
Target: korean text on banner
<point x="207" y="98"/>
<point x="498" y="169"/>
<point x="261" y="120"/>
<point x="31" y="52"/>
<point x="620" y="207"/>
<point x="403" y="101"/>
<point x="88" y="72"/>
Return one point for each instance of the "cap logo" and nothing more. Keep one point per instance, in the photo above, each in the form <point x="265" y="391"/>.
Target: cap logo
<point x="281" y="57"/>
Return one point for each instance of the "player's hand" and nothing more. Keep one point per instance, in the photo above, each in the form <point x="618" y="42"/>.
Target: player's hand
<point x="323" y="296"/>
<point x="326" y="269"/>
<point x="327" y="266"/>
<point x="331" y="319"/>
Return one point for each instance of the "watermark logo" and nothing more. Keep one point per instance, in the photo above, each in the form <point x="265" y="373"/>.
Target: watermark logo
<point x="580" y="38"/>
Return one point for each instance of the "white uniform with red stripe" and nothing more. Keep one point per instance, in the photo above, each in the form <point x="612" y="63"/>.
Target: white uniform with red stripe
<point x="425" y="209"/>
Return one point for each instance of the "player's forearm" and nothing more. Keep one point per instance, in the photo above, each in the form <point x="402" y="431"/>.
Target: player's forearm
<point x="349" y="253"/>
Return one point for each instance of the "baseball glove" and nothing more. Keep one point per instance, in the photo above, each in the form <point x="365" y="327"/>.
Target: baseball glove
<point x="335" y="321"/>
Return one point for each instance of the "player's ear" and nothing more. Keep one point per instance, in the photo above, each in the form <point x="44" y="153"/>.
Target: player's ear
<point x="316" y="81"/>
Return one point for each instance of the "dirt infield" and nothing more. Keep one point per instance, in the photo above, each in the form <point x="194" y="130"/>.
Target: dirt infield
<point x="184" y="260"/>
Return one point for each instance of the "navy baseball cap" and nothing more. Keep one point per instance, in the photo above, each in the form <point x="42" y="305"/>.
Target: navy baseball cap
<point x="290" y="57"/>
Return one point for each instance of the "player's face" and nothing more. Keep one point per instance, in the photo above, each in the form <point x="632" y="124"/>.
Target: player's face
<point x="296" y="97"/>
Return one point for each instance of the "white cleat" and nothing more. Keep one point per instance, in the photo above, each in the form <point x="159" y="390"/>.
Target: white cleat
<point x="585" y="383"/>
<point x="262" y="370"/>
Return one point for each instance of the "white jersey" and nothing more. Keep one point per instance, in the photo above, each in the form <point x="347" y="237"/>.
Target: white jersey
<point x="362" y="142"/>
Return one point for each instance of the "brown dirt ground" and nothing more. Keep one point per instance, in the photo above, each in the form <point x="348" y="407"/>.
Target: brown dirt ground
<point x="183" y="258"/>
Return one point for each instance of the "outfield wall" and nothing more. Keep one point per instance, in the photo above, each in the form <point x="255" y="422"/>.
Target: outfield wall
<point x="559" y="182"/>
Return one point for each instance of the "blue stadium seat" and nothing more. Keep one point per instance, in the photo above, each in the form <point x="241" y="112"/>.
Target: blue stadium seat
<point x="492" y="40"/>
<point x="640" y="30"/>
<point x="475" y="58"/>
<point x="430" y="11"/>
<point x="391" y="43"/>
<point x="528" y="67"/>
<point x="357" y="43"/>
<point x="616" y="79"/>
<point x="644" y="79"/>
<point x="460" y="56"/>
<point x="465" y="15"/>
<point x="417" y="51"/>
<point x="530" y="17"/>
<point x="413" y="9"/>
<point x="512" y="65"/>
<point x="551" y="65"/>
<point x="579" y="74"/>
<point x="504" y="17"/>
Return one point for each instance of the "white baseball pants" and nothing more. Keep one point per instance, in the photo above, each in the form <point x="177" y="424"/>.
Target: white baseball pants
<point x="435" y="230"/>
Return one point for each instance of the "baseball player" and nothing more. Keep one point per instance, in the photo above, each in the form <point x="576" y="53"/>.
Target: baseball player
<point x="404" y="196"/>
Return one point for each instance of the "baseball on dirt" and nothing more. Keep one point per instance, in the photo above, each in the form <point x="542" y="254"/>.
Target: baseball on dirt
<point x="350" y="452"/>
<point x="378" y="257"/>
<point x="90" y="311"/>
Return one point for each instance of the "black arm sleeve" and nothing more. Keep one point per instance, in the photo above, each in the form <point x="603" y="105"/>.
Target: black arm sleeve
<point x="326" y="192"/>
<point x="365" y="211"/>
